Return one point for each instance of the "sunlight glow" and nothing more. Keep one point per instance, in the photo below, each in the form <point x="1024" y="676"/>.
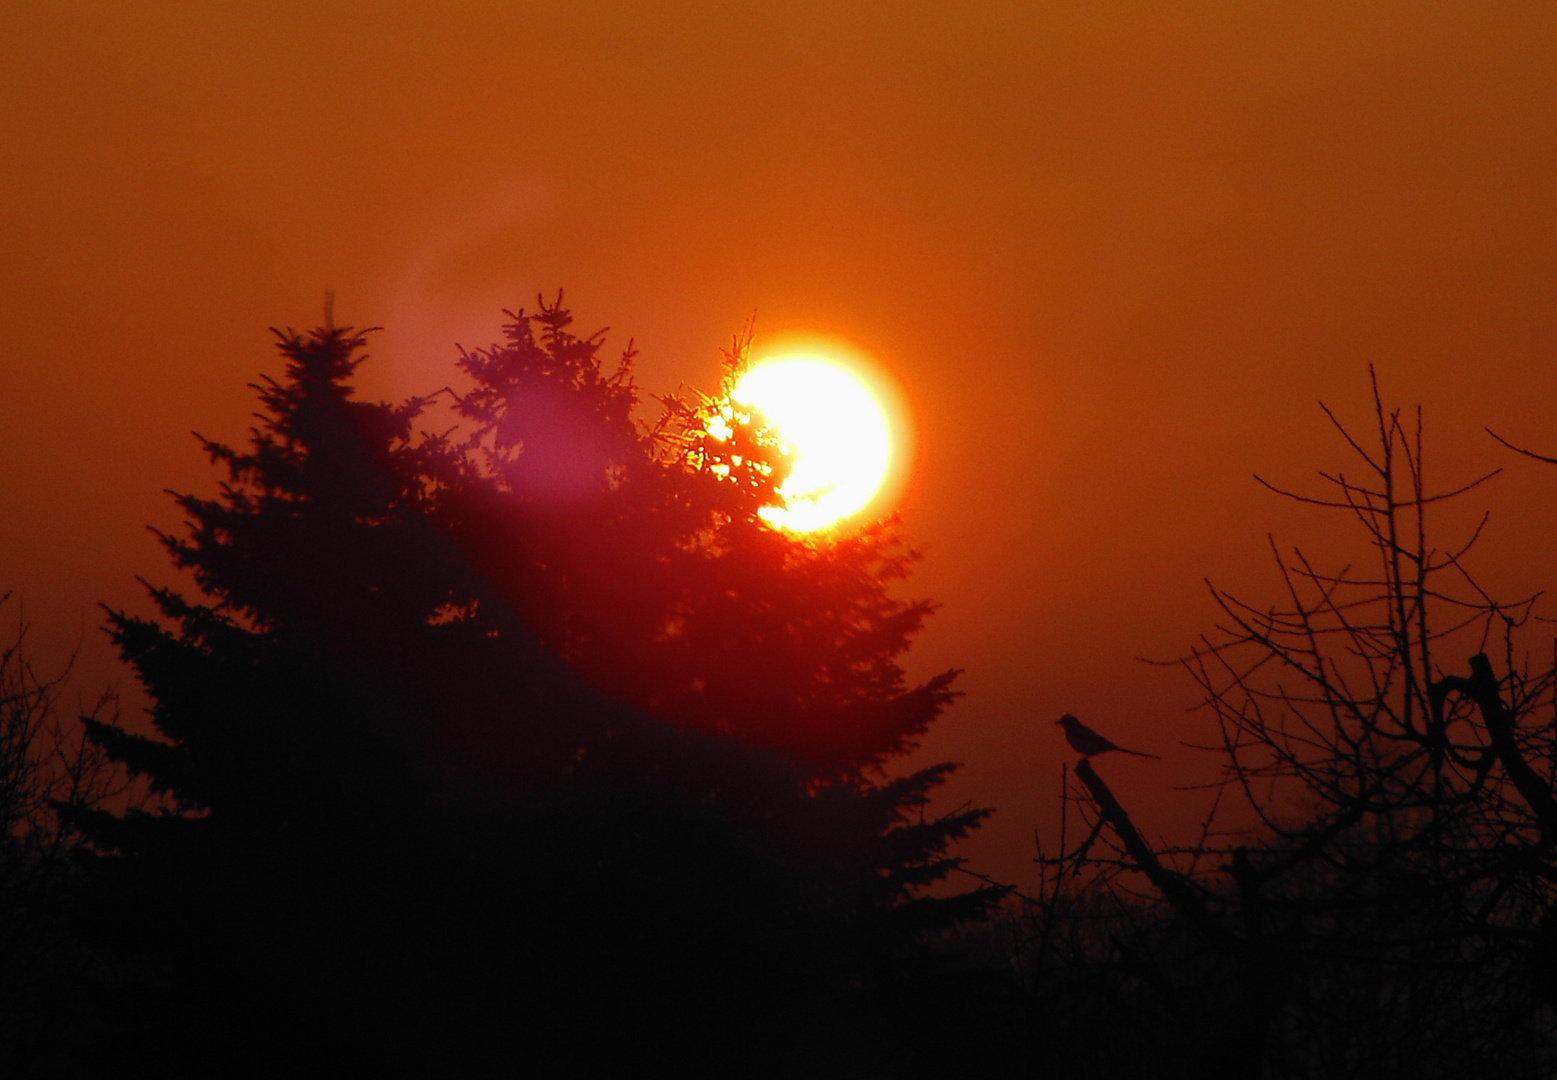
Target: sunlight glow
<point x="836" y="427"/>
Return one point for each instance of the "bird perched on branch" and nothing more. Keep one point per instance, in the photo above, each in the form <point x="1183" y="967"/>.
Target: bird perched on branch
<point x="1087" y="742"/>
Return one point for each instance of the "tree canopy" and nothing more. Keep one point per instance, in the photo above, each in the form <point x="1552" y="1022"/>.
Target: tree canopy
<point x="534" y="718"/>
<point x="640" y="557"/>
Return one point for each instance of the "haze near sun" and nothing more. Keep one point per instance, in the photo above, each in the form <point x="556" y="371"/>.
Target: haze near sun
<point x="836" y="427"/>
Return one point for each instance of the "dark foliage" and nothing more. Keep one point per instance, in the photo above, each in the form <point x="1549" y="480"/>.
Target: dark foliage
<point x="530" y="741"/>
<point x="641" y="559"/>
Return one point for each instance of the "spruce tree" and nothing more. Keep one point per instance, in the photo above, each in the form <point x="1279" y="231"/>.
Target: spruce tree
<point x="646" y="565"/>
<point x="650" y="567"/>
<point x="532" y="727"/>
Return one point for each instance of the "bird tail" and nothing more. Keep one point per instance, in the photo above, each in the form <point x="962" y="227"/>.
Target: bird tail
<point x="1138" y="753"/>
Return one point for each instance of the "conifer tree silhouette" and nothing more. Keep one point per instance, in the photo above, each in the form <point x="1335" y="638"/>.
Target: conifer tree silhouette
<point x="650" y="568"/>
<point x="451" y="748"/>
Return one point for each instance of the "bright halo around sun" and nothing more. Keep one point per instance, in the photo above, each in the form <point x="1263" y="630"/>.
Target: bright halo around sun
<point x="836" y="427"/>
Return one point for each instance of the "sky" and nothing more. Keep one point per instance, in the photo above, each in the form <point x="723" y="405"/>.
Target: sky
<point x="1113" y="253"/>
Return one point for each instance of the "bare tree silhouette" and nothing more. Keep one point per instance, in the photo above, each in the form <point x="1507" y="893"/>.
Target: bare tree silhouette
<point x="45" y="761"/>
<point x="1372" y="891"/>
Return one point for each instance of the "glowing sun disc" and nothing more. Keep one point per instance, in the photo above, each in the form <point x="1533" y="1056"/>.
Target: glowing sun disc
<point x="835" y="427"/>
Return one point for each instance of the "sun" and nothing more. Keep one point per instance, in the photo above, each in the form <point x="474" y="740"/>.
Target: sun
<point x="837" y="429"/>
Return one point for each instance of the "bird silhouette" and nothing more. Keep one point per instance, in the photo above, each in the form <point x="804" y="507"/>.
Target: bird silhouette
<point x="1087" y="742"/>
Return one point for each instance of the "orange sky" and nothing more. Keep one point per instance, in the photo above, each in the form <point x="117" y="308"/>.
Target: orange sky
<point x="1114" y="252"/>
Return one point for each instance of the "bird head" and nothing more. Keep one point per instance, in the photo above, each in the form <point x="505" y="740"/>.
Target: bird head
<point x="1067" y="720"/>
